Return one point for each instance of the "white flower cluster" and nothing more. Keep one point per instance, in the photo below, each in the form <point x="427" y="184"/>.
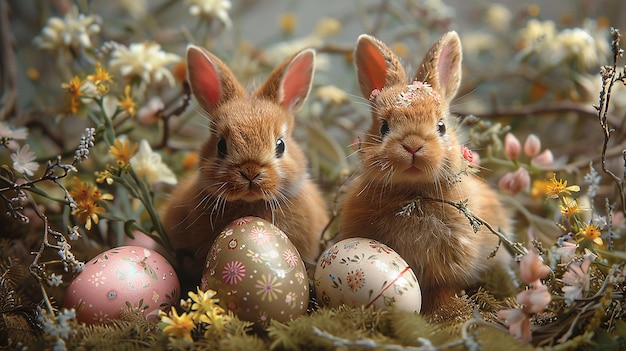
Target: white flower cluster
<point x="581" y="46"/>
<point x="87" y="140"/>
<point x="145" y="60"/>
<point x="59" y="325"/>
<point x="73" y="31"/>
<point x="149" y="165"/>
<point x="405" y="98"/>
<point x="211" y="9"/>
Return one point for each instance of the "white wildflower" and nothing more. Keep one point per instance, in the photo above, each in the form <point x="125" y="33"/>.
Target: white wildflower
<point x="498" y="18"/>
<point x="211" y="9"/>
<point x="23" y="160"/>
<point x="331" y="94"/>
<point x="59" y="325"/>
<point x="537" y="31"/>
<point x="73" y="31"/>
<point x="6" y="131"/>
<point x="325" y="28"/>
<point x="149" y="165"/>
<point x="145" y="60"/>
<point x="55" y="280"/>
<point x="579" y="45"/>
<point x="577" y="280"/>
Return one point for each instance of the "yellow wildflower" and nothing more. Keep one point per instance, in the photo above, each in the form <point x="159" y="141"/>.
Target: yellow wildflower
<point x="104" y="176"/>
<point x="122" y="152"/>
<point x="87" y="212"/>
<point x="179" y="326"/>
<point x="539" y="188"/>
<point x="127" y="103"/>
<point x="87" y="197"/>
<point x="288" y="22"/>
<point x="73" y="93"/>
<point x="101" y="79"/>
<point x="557" y="188"/>
<point x="217" y="319"/>
<point x="570" y="207"/>
<point x="203" y="300"/>
<point x="590" y="232"/>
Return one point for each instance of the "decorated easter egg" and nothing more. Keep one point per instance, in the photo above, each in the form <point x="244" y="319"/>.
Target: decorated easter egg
<point x="123" y="275"/>
<point x="366" y="272"/>
<point x="257" y="272"/>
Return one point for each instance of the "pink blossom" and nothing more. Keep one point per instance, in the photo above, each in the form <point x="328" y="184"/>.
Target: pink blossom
<point x="532" y="145"/>
<point x="467" y="154"/>
<point x="518" y="323"/>
<point x="516" y="181"/>
<point x="544" y="159"/>
<point x="512" y="146"/>
<point x="374" y="94"/>
<point x="536" y="299"/>
<point x="532" y="268"/>
<point x="577" y="280"/>
<point x="566" y="252"/>
<point x="150" y="113"/>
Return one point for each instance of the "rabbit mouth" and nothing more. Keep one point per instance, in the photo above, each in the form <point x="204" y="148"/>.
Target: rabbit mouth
<point x="413" y="171"/>
<point x="252" y="194"/>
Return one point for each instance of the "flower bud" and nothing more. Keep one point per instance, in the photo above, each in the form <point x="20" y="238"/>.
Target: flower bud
<point x="532" y="145"/>
<point x="516" y="181"/>
<point x="544" y="159"/>
<point x="512" y="146"/>
<point x="532" y="268"/>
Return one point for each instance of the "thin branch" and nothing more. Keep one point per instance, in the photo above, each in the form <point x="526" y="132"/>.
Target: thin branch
<point x="475" y="221"/>
<point x="540" y="109"/>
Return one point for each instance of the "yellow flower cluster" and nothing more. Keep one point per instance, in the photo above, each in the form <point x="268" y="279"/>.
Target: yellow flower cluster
<point x="570" y="210"/>
<point x="87" y="198"/>
<point x="201" y="312"/>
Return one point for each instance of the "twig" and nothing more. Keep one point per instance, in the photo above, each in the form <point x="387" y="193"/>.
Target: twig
<point x="475" y="221"/>
<point x="609" y="77"/>
<point x="369" y="343"/>
<point x="177" y="112"/>
<point x="539" y="109"/>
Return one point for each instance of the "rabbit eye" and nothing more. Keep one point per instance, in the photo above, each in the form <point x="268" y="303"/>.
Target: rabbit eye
<point x="221" y="148"/>
<point x="280" y="148"/>
<point x="441" y="127"/>
<point x="384" y="129"/>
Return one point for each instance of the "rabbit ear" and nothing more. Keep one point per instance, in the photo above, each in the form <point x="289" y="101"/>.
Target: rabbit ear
<point x="289" y="84"/>
<point x="376" y="65"/>
<point x="211" y="81"/>
<point x="441" y="67"/>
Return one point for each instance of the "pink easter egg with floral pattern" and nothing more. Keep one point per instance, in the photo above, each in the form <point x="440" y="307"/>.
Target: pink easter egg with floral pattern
<point x="131" y="275"/>
<point x="366" y="272"/>
<point x="257" y="272"/>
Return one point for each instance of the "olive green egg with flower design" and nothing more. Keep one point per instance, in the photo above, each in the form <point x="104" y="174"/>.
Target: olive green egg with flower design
<point x="257" y="272"/>
<point x="365" y="272"/>
<point x="122" y="276"/>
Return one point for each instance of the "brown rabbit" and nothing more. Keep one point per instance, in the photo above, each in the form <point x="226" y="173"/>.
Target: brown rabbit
<point x="411" y="152"/>
<point x="250" y="164"/>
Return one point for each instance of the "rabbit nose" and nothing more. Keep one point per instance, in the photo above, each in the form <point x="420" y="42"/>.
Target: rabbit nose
<point x="250" y="175"/>
<point x="412" y="149"/>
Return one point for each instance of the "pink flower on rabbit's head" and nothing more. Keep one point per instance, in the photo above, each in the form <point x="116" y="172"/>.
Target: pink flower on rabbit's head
<point x="374" y="94"/>
<point x="467" y="154"/>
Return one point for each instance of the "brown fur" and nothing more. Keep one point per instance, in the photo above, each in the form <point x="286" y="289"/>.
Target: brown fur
<point x="436" y="239"/>
<point x="221" y="191"/>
